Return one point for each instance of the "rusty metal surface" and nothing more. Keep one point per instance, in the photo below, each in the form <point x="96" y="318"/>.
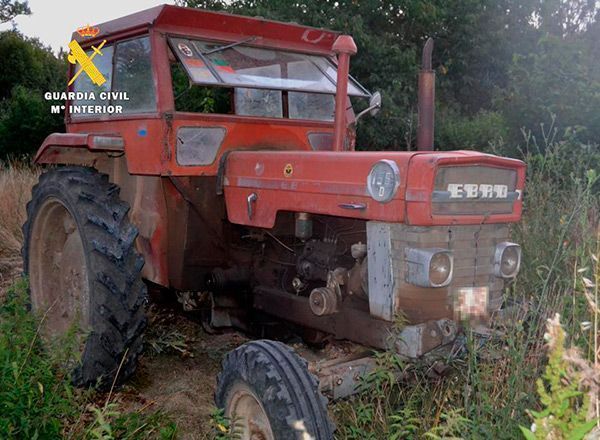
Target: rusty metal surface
<point x="416" y="340"/>
<point x="142" y="153"/>
<point x="473" y="247"/>
<point x="196" y="240"/>
<point x="350" y="323"/>
<point x="242" y="133"/>
<point x="422" y="172"/>
<point x="153" y="152"/>
<point x="79" y="142"/>
<point x="356" y="325"/>
<point x="426" y="100"/>
<point x="187" y="229"/>
<point x="147" y="211"/>
<point x="467" y="181"/>
<point x="344" y="47"/>
<point x="339" y="378"/>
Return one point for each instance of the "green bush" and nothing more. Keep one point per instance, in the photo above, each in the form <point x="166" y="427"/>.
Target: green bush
<point x="25" y="121"/>
<point x="565" y="404"/>
<point x="34" y="396"/>
<point x="558" y="78"/>
<point x="459" y="132"/>
<point x="37" y="400"/>
<point x="27" y="71"/>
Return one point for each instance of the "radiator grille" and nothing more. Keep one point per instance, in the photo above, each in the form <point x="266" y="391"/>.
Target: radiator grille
<point x="475" y="190"/>
<point x="473" y="249"/>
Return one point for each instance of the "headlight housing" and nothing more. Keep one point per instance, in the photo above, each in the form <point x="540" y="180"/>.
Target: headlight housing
<point x="429" y="267"/>
<point x="507" y="260"/>
<point x="383" y="180"/>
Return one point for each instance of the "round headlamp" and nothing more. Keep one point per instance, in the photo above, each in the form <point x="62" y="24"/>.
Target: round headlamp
<point x="507" y="260"/>
<point x="383" y="180"/>
<point x="429" y="267"/>
<point x="440" y="269"/>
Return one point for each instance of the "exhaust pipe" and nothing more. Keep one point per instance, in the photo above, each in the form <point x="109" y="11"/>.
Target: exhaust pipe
<point x="426" y="105"/>
<point x="344" y="47"/>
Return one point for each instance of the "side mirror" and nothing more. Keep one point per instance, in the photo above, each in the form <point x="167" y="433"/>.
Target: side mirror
<point x="373" y="108"/>
<point x="375" y="103"/>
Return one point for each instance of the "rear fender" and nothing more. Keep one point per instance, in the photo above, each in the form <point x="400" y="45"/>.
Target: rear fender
<point x="143" y="193"/>
<point x="78" y="148"/>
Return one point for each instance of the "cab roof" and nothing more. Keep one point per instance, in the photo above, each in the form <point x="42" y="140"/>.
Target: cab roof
<point x="212" y="25"/>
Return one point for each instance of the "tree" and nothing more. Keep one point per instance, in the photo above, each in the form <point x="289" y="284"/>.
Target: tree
<point x="390" y="35"/>
<point x="9" y="9"/>
<point x="475" y="42"/>
<point x="27" y="71"/>
<point x="566" y="18"/>
<point x="27" y="62"/>
<point x="556" y="82"/>
<point x="25" y="122"/>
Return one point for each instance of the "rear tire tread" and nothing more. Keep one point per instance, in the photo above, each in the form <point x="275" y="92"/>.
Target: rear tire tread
<point x="117" y="291"/>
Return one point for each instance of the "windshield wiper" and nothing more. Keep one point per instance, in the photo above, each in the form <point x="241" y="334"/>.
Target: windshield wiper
<point x="228" y="46"/>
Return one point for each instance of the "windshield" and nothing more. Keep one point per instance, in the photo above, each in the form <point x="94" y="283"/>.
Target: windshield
<point x="258" y="68"/>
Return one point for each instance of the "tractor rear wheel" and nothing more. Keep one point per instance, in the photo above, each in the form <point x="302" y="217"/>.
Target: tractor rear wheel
<point x="84" y="271"/>
<point x="266" y="391"/>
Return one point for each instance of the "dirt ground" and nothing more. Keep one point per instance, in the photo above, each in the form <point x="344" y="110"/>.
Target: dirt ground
<point x="179" y="380"/>
<point x="178" y="370"/>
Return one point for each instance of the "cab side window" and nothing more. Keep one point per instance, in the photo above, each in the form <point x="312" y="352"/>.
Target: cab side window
<point x="258" y="102"/>
<point x="133" y="74"/>
<point x="83" y="83"/>
<point x="198" y="99"/>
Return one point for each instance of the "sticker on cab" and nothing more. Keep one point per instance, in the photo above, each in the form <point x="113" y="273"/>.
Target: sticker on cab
<point x="185" y="49"/>
<point x="288" y="170"/>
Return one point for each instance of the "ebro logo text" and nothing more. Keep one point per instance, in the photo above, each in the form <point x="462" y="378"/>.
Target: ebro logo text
<point x="474" y="191"/>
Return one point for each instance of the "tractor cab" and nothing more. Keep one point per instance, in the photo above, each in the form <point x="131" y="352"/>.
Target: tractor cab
<point x="181" y="77"/>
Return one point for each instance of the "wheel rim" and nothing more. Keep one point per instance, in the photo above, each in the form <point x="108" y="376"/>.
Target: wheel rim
<point x="58" y="271"/>
<point x="247" y="414"/>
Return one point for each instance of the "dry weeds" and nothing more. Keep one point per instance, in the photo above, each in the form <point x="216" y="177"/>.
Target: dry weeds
<point x="16" y="181"/>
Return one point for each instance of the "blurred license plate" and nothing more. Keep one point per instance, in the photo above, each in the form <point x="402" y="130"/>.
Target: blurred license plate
<point x="471" y="302"/>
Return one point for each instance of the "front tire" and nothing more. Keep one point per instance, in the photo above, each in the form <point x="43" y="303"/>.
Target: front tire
<point x="79" y="253"/>
<point x="267" y="392"/>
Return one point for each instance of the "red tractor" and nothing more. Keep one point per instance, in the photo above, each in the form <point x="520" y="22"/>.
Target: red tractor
<point x="217" y="160"/>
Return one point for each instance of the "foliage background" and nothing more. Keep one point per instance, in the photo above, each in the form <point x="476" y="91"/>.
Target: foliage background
<point x="502" y="66"/>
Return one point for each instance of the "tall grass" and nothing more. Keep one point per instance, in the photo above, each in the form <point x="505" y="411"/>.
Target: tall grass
<point x="33" y="397"/>
<point x="493" y="387"/>
<point x="37" y="400"/>
<point x="16" y="180"/>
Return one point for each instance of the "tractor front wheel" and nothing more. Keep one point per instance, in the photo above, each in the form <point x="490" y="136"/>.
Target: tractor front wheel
<point x="267" y="393"/>
<point x="84" y="271"/>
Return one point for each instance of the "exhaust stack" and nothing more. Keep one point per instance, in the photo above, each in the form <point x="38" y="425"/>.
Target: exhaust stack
<point x="344" y="47"/>
<point x="426" y="104"/>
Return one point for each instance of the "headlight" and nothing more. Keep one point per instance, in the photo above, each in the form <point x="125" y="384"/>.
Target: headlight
<point x="383" y="180"/>
<point x="439" y="268"/>
<point x="507" y="260"/>
<point x="429" y="267"/>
